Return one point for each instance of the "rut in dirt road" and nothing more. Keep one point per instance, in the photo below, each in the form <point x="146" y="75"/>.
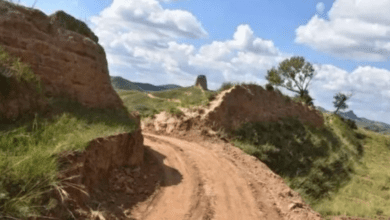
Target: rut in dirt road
<point x="211" y="186"/>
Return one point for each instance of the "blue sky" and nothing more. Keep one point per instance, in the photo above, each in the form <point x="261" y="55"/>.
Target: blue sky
<point x="173" y="41"/>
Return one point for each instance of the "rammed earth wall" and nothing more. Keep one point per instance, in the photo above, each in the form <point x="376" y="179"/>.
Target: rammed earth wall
<point x="66" y="56"/>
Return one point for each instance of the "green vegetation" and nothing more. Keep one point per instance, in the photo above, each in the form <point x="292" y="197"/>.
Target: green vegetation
<point x="314" y="162"/>
<point x="21" y="71"/>
<point x="339" y="101"/>
<point x="70" y="23"/>
<point x="29" y="146"/>
<point x="292" y="73"/>
<point x="28" y="149"/>
<point x="141" y="102"/>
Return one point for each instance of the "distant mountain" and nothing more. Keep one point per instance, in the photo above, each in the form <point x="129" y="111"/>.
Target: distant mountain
<point x="350" y="115"/>
<point x="170" y="86"/>
<point x="376" y="126"/>
<point x="121" y="83"/>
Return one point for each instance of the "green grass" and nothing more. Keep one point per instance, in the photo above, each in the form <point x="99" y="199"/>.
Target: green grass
<point x="337" y="170"/>
<point x="147" y="107"/>
<point x="20" y="70"/>
<point x="29" y="146"/>
<point x="367" y="194"/>
<point x="28" y="149"/>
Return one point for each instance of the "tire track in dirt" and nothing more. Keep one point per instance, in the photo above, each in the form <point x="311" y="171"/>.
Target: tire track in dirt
<point x="185" y="200"/>
<point x="224" y="192"/>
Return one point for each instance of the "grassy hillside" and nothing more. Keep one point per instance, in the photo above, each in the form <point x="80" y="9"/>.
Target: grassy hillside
<point x="120" y="83"/>
<point x="376" y="126"/>
<point x="137" y="101"/>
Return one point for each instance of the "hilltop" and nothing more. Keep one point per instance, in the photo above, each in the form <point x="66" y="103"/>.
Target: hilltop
<point x="376" y="126"/>
<point x="124" y="84"/>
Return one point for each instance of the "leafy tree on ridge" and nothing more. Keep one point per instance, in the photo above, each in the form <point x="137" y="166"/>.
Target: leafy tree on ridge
<point x="339" y="102"/>
<point x="294" y="70"/>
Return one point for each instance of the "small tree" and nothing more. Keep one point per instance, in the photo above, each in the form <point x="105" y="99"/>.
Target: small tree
<point x="292" y="74"/>
<point x="340" y="99"/>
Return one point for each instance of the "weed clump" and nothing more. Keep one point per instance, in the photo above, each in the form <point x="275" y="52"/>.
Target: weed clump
<point x="5" y="86"/>
<point x="269" y="87"/>
<point x="350" y="123"/>
<point x="175" y="111"/>
<point x="226" y="86"/>
<point x="11" y="66"/>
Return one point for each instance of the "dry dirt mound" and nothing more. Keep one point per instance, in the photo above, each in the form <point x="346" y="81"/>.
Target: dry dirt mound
<point x="233" y="107"/>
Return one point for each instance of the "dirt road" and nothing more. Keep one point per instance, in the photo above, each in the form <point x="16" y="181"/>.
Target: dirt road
<point x="205" y="180"/>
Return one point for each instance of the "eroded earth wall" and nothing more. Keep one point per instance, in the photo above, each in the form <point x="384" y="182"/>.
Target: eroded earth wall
<point x="252" y="103"/>
<point x="87" y="169"/>
<point x="62" y="51"/>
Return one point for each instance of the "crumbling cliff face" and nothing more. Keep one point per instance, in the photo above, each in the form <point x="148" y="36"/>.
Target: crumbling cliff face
<point x="62" y="51"/>
<point x="83" y="174"/>
<point x="96" y="162"/>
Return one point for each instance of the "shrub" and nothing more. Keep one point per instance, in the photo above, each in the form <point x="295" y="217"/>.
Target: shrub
<point x="269" y="87"/>
<point x="5" y="86"/>
<point x="142" y="108"/>
<point x="226" y="86"/>
<point x="211" y="97"/>
<point x="21" y="71"/>
<point x="287" y="99"/>
<point x="352" y="124"/>
<point x="175" y="111"/>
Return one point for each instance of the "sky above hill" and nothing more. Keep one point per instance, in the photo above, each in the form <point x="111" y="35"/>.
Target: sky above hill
<point x="172" y="41"/>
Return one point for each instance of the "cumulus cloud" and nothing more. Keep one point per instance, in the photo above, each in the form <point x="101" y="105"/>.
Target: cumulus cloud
<point x="364" y="80"/>
<point x="356" y="29"/>
<point x="141" y="42"/>
<point x="370" y="87"/>
<point x="142" y="36"/>
<point x="320" y="7"/>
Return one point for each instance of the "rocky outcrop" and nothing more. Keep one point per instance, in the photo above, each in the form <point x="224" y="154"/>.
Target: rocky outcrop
<point x="201" y="82"/>
<point x="62" y="51"/>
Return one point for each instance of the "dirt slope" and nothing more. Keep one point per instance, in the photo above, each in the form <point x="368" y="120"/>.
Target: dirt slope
<point x="216" y="181"/>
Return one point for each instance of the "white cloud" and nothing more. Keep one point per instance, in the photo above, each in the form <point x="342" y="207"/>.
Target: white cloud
<point x="365" y="79"/>
<point x="370" y="87"/>
<point x="320" y="7"/>
<point x="356" y="29"/>
<point x="140" y="39"/>
<point x="141" y="36"/>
